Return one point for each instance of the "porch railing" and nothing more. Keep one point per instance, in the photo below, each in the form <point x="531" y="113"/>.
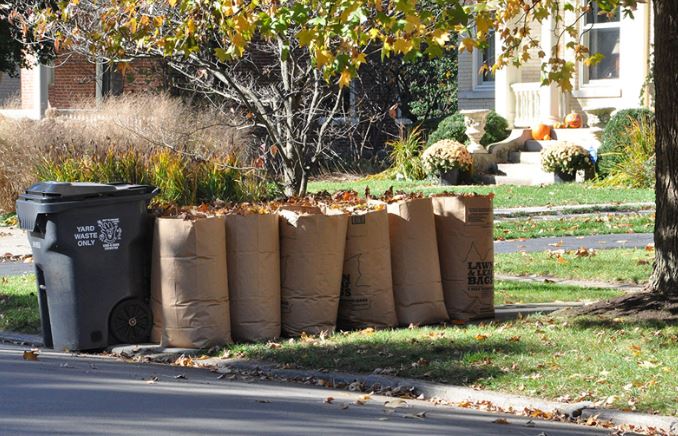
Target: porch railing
<point x="527" y="103"/>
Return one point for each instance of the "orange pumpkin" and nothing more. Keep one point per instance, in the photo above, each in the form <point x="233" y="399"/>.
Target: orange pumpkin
<point x="558" y="125"/>
<point x="540" y="130"/>
<point x="547" y="137"/>
<point x="573" y="120"/>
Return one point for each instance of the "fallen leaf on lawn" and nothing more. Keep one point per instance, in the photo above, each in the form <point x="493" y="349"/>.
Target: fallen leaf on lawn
<point x="395" y="403"/>
<point x="647" y="364"/>
<point x="643" y="262"/>
<point x="31" y="355"/>
<point x="501" y="421"/>
<point x="328" y="400"/>
<point x="368" y="331"/>
<point x="514" y="338"/>
<point x="480" y="337"/>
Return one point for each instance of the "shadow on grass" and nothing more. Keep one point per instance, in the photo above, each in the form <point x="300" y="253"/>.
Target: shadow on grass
<point x="19" y="313"/>
<point x="586" y="323"/>
<point x="460" y="361"/>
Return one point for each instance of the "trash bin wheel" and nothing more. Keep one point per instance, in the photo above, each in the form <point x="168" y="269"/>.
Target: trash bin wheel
<point x="131" y="322"/>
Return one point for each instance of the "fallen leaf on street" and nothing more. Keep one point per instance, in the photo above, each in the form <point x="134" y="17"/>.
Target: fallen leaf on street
<point x="30" y="355"/>
<point x="328" y="400"/>
<point x="395" y="403"/>
<point x="501" y="421"/>
<point x="263" y="401"/>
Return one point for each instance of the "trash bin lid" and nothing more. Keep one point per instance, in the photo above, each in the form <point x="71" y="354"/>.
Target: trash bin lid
<point x="47" y="192"/>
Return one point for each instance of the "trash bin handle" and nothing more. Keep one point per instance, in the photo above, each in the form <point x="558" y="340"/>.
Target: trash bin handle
<point x="155" y="191"/>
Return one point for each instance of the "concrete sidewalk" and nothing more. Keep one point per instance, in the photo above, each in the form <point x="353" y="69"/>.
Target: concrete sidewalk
<point x="599" y="242"/>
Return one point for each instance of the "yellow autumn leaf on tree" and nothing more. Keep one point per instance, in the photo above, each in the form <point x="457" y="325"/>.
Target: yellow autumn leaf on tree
<point x="359" y="59"/>
<point x="323" y="57"/>
<point x="440" y="36"/>
<point x="345" y="78"/>
<point x="305" y="36"/>
<point x="467" y="44"/>
<point x="190" y="26"/>
<point x="412" y="23"/>
<point x="402" y="45"/>
<point x="483" y="23"/>
<point x="172" y="3"/>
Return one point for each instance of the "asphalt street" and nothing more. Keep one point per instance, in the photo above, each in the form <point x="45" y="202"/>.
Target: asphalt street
<point x="64" y="394"/>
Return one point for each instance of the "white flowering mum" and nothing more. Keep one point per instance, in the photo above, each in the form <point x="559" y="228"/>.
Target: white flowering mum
<point x="446" y="155"/>
<point x="565" y="158"/>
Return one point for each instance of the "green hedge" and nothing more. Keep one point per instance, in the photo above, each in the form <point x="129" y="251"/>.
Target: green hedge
<point x="453" y="127"/>
<point x="615" y="137"/>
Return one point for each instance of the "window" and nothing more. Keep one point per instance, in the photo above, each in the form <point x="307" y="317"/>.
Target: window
<point x="601" y="35"/>
<point x="483" y="60"/>
<point x="112" y="81"/>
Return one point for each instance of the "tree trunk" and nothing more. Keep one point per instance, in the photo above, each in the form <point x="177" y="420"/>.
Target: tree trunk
<point x="665" y="276"/>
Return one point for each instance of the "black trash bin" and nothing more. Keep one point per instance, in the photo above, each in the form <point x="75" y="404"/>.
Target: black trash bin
<point x="91" y="248"/>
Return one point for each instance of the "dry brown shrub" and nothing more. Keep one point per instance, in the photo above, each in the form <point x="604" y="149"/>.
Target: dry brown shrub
<point x="136" y="121"/>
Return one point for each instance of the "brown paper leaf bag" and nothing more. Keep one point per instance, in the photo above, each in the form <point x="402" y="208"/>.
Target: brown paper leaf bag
<point x="254" y="276"/>
<point x="367" y="288"/>
<point x="311" y="259"/>
<point x="414" y="259"/>
<point x="189" y="284"/>
<point x="466" y="248"/>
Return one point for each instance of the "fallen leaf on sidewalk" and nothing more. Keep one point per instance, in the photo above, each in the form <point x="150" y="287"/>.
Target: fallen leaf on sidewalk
<point x="31" y="355"/>
<point x="328" y="400"/>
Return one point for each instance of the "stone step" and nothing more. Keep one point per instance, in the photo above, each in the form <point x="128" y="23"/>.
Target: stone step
<point x="536" y="145"/>
<point x="525" y="173"/>
<point x="531" y="157"/>
<point x="573" y="135"/>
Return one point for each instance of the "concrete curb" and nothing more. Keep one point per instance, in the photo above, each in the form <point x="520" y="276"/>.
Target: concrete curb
<point x="626" y="287"/>
<point x="452" y="394"/>
<point x="571" y="209"/>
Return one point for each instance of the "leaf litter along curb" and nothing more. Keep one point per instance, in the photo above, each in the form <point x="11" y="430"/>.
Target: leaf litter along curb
<point x="399" y="394"/>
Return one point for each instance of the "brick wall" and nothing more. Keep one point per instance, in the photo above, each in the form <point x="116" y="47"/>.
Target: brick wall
<point x="74" y="80"/>
<point x="27" y="89"/>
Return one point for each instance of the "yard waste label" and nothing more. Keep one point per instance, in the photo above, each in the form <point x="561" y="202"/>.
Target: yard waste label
<point x="107" y="232"/>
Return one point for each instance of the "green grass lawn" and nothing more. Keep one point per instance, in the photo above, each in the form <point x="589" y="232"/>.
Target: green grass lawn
<point x="602" y="224"/>
<point x="627" y="365"/>
<point x="514" y="292"/>
<point x="506" y="195"/>
<point x="19" y="304"/>
<point x="614" y="265"/>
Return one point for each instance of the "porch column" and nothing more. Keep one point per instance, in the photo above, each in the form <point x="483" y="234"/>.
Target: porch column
<point x="40" y="78"/>
<point x="549" y="95"/>
<point x="504" y="99"/>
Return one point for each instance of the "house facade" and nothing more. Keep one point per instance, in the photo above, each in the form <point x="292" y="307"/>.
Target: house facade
<point x="619" y="81"/>
<point x="70" y="81"/>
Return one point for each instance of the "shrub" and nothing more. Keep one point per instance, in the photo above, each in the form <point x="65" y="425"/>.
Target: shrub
<point x="405" y="156"/>
<point x="635" y="165"/>
<point x="446" y="155"/>
<point x="614" y="138"/>
<point x="182" y="180"/>
<point x="566" y="159"/>
<point x="453" y="127"/>
<point x="114" y="141"/>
